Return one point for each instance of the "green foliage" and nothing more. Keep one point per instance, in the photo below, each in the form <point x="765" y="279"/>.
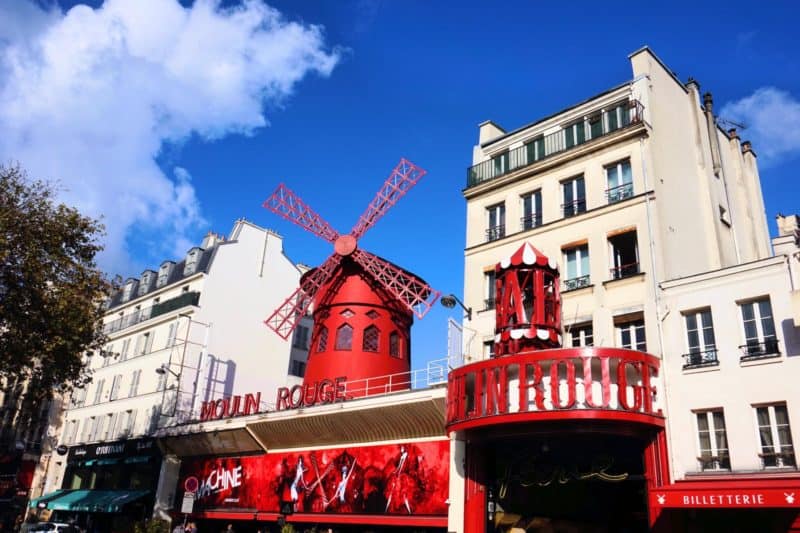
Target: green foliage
<point x="50" y="287"/>
<point x="152" y="526"/>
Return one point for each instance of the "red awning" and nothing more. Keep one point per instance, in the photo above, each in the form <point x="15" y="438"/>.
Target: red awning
<point x="755" y="493"/>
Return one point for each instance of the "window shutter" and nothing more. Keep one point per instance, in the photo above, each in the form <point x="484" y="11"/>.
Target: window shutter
<point x="126" y="344"/>
<point x="149" y="345"/>
<point x="137" y="349"/>
<point x="173" y="330"/>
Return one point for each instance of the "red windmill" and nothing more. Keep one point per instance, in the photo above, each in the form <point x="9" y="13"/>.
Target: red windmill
<point x="363" y="304"/>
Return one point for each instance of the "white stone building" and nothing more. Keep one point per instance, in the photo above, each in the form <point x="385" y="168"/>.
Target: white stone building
<point x="186" y="332"/>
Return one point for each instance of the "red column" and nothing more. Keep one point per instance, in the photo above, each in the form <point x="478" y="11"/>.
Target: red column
<point x="475" y="490"/>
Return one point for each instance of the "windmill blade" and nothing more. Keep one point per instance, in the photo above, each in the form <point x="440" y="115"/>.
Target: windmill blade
<point x="290" y="206"/>
<point x="409" y="289"/>
<point x="405" y="175"/>
<point x="285" y="318"/>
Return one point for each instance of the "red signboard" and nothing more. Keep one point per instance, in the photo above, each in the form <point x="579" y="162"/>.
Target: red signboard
<point x="398" y="479"/>
<point x="726" y="498"/>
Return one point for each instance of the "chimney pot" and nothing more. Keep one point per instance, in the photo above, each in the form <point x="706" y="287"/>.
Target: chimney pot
<point x="732" y="133"/>
<point x="708" y="101"/>
<point x="747" y="147"/>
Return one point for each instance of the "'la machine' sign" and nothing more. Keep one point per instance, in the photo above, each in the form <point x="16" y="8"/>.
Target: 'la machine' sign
<point x="323" y="392"/>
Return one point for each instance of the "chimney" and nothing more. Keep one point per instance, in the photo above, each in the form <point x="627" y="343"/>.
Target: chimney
<point x="747" y="148"/>
<point x="711" y="124"/>
<point x="788" y="225"/>
<point x="211" y="239"/>
<point x="733" y="134"/>
<point x="693" y="84"/>
<point x="708" y="102"/>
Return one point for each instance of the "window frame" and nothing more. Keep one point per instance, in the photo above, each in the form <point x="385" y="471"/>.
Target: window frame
<point x="581" y="330"/>
<point x="532" y="219"/>
<point x="571" y="283"/>
<point x="777" y="443"/>
<point x="337" y="346"/>
<point x="632" y="325"/>
<point x="719" y="461"/>
<point x="496" y="221"/>
<point x="577" y="205"/>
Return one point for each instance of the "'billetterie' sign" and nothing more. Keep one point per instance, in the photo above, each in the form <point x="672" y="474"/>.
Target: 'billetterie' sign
<point x="550" y="384"/>
<point x="323" y="392"/>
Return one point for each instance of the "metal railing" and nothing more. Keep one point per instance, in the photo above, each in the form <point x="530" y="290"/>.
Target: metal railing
<point x="780" y="459"/>
<point x="131" y="319"/>
<point x="594" y="127"/>
<point x="577" y="283"/>
<point x="488" y="304"/>
<point x="620" y="192"/>
<point x="760" y="349"/>
<point x="698" y="359"/>
<point x="531" y="221"/>
<point x="624" y="271"/>
<point x="434" y="374"/>
<point x="573" y="208"/>
<point x="717" y="462"/>
<point x="495" y="232"/>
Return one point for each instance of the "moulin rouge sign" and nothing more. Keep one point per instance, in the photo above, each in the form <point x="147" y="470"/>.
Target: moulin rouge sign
<point x="323" y="392"/>
<point x="548" y="382"/>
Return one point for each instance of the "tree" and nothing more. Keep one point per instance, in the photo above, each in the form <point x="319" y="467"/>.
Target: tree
<point x="50" y="287"/>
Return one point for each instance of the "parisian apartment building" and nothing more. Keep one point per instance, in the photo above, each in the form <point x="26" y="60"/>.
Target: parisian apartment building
<point x="655" y="217"/>
<point x="181" y="334"/>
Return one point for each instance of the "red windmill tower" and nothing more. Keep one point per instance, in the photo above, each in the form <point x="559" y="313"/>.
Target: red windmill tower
<point x="363" y="304"/>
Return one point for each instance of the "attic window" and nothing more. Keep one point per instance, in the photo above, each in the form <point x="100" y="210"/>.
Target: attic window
<point x="146" y="282"/>
<point x="163" y="273"/>
<point x="127" y="290"/>
<point x="192" y="258"/>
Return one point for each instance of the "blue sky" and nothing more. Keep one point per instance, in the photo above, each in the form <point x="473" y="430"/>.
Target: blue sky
<point x="384" y="80"/>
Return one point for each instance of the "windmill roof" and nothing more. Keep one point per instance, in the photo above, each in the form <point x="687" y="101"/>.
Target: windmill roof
<point x="526" y="254"/>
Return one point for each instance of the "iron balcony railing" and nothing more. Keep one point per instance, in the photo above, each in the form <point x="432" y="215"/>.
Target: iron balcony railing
<point x="488" y="304"/>
<point x="495" y="232"/>
<point x="698" y="359"/>
<point x="595" y="126"/>
<point x="760" y="349"/>
<point x="781" y="459"/>
<point x="573" y="208"/>
<point x="531" y="221"/>
<point x="620" y="192"/>
<point x="624" y="271"/>
<point x="577" y="283"/>
<point x="722" y="461"/>
<point x="126" y="321"/>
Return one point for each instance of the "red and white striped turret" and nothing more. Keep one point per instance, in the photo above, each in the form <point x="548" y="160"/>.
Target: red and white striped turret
<point x="527" y="302"/>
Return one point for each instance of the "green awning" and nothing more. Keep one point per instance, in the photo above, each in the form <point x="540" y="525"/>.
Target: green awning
<point x="95" y="501"/>
<point x="47" y="497"/>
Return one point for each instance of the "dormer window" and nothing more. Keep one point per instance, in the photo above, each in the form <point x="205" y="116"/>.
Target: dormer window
<point x="127" y="290"/>
<point x="146" y="283"/>
<point x="164" y="272"/>
<point x="192" y="258"/>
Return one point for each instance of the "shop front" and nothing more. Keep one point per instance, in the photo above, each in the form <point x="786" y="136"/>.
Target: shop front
<point x="401" y="484"/>
<point x="107" y="486"/>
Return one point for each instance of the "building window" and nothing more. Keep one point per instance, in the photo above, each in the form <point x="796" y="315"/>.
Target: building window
<point x="713" y="442"/>
<point x="115" y="383"/>
<point x="574" y="192"/>
<point x="775" y="436"/>
<point x="134" y="389"/>
<point x="531" y="210"/>
<point x="371" y="339"/>
<point x="163" y="273"/>
<point x="534" y="149"/>
<point x="488" y="349"/>
<point x="759" y="330"/>
<point x="394" y="344"/>
<point x="298" y="368"/>
<point x="500" y="164"/>
<point x="127" y="290"/>
<point x="171" y="334"/>
<point x="192" y="258"/>
<point x="126" y="423"/>
<point x="496" y="226"/>
<point x="301" y="337"/>
<point x="111" y="424"/>
<point x="596" y="125"/>
<point x="344" y="337"/>
<point x="98" y="392"/>
<point x="144" y="344"/>
<point x="619" y="181"/>
<point x="618" y="117"/>
<point x="581" y="335"/>
<point x="146" y="281"/>
<point x="322" y="340"/>
<point x="624" y="255"/>
<point x="575" y="134"/>
<point x="162" y="382"/>
<point x="126" y="345"/>
<point x="577" y="272"/>
<point x="630" y="334"/>
<point x="97" y="427"/>
<point x="489" y="280"/>
<point x="700" y="339"/>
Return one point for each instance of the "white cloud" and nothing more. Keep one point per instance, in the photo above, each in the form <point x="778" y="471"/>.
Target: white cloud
<point x="90" y="96"/>
<point x="772" y="117"/>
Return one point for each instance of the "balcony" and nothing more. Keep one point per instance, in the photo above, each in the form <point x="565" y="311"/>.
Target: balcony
<point x="495" y="232"/>
<point x="624" y="271"/>
<point x="599" y="125"/>
<point x="717" y="462"/>
<point x="126" y="321"/>
<point x="700" y="359"/>
<point x="782" y="459"/>
<point x="577" y="283"/>
<point x="619" y="193"/>
<point x="531" y="221"/>
<point x="574" y="208"/>
<point x="760" y="349"/>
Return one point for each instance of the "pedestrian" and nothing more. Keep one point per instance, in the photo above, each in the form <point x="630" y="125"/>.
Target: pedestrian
<point x="229" y="529"/>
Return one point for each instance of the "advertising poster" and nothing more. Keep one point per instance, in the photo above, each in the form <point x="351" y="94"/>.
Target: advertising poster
<point x="409" y="479"/>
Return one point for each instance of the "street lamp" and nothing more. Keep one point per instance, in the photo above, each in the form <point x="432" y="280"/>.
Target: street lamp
<point x="450" y="301"/>
<point x="163" y="369"/>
